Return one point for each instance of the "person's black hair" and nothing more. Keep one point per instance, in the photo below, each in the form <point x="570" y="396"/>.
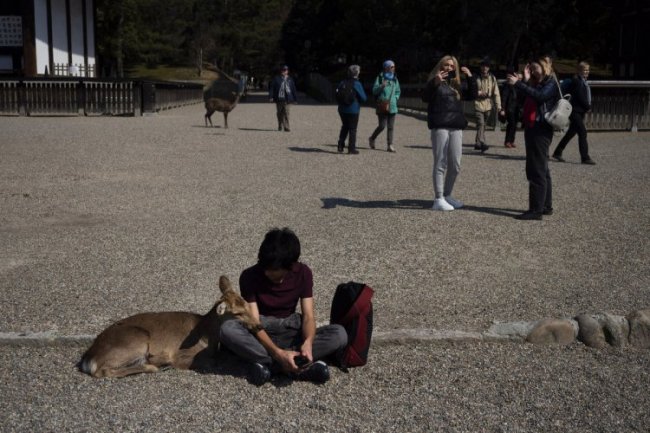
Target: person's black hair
<point x="280" y="249"/>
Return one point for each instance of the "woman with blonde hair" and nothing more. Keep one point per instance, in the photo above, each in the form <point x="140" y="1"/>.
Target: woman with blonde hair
<point x="542" y="93"/>
<point x="445" y="92"/>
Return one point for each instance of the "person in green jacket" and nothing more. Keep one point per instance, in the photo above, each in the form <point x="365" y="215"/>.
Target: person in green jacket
<point x="387" y="91"/>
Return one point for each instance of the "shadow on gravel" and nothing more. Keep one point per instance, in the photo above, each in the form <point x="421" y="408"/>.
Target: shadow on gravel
<point x="257" y="129"/>
<point x="418" y="146"/>
<point x="493" y="210"/>
<point x="332" y="202"/>
<point x="225" y="363"/>
<point x="507" y="157"/>
<point x="309" y="150"/>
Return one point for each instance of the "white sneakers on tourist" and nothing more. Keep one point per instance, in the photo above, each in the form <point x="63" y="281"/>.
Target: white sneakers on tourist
<point x="457" y="204"/>
<point x="441" y="204"/>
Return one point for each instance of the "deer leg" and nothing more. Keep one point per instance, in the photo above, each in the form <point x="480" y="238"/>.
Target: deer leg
<point x="119" y="351"/>
<point x="208" y="116"/>
<point x="225" y="119"/>
<point x="126" y="371"/>
<point x="184" y="359"/>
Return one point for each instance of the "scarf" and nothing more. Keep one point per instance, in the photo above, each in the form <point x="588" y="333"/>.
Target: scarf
<point x="285" y="90"/>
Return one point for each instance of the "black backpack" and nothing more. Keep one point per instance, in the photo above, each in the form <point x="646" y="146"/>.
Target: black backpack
<point x="352" y="309"/>
<point x="345" y="93"/>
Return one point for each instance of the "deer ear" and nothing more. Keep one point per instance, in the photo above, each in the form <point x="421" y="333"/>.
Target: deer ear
<point x="224" y="284"/>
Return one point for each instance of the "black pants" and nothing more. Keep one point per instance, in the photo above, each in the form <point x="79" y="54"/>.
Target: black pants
<point x="511" y="126"/>
<point x="540" y="190"/>
<point x="349" y="124"/>
<point x="577" y="126"/>
<point x="385" y="120"/>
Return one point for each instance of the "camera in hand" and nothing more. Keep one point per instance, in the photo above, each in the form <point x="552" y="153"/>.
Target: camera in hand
<point x="451" y="75"/>
<point x="301" y="361"/>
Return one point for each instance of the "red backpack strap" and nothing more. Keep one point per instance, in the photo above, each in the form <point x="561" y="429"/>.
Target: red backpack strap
<point x="356" y="309"/>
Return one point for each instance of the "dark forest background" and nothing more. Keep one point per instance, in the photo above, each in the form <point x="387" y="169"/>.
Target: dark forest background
<point x="325" y="35"/>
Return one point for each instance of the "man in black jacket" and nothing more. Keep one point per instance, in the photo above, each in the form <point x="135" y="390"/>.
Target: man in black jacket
<point x="581" y="102"/>
<point x="282" y="91"/>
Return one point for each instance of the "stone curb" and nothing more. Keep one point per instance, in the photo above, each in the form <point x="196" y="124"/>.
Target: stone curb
<point x="594" y="330"/>
<point x="503" y="332"/>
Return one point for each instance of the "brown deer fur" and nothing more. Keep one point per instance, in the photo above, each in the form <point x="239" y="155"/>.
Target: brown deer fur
<point x="221" y="105"/>
<point x="147" y="342"/>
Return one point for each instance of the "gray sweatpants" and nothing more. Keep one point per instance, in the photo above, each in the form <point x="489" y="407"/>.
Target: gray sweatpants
<point x="447" y="145"/>
<point x="286" y="333"/>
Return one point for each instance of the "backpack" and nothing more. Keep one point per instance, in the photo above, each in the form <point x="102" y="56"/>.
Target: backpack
<point x="345" y="93"/>
<point x="558" y="116"/>
<point x="352" y="309"/>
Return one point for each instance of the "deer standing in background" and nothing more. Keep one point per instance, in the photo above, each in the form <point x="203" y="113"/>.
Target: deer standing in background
<point x="221" y="105"/>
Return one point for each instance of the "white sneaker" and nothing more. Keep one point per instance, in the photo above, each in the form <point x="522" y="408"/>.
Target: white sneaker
<point x="441" y="204"/>
<point x="457" y="204"/>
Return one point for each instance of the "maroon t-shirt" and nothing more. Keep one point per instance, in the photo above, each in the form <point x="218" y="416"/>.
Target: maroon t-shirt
<point x="276" y="300"/>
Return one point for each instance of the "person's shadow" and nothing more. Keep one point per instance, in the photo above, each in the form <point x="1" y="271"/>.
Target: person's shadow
<point x="507" y="157"/>
<point x="333" y="202"/>
<point x="223" y="362"/>
<point x="409" y="204"/>
<point x="309" y="150"/>
<point x="493" y="210"/>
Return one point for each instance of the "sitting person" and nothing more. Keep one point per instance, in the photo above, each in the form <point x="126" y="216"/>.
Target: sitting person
<point x="272" y="289"/>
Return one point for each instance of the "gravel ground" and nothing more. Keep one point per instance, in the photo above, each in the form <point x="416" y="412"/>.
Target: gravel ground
<point x="497" y="387"/>
<point x="101" y="218"/>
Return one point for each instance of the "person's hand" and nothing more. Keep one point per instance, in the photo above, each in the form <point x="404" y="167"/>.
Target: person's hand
<point x="306" y="351"/>
<point x="481" y="93"/>
<point x="440" y="77"/>
<point x="512" y="79"/>
<point x="465" y="70"/>
<point x="271" y="100"/>
<point x="527" y="72"/>
<point x="285" y="358"/>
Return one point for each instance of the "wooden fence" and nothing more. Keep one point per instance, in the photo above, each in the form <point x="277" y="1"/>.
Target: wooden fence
<point x="69" y="96"/>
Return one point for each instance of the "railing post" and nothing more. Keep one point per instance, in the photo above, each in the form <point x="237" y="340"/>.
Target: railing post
<point x="20" y="94"/>
<point x="81" y="98"/>
<point x="137" y="98"/>
<point x="148" y="98"/>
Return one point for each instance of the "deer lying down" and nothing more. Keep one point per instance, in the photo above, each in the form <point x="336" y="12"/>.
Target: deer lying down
<point x="147" y="342"/>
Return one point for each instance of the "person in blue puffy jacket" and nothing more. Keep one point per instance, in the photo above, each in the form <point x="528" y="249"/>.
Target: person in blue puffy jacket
<point x="350" y="112"/>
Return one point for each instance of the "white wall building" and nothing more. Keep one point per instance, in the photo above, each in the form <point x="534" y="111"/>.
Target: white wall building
<point x="48" y="37"/>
